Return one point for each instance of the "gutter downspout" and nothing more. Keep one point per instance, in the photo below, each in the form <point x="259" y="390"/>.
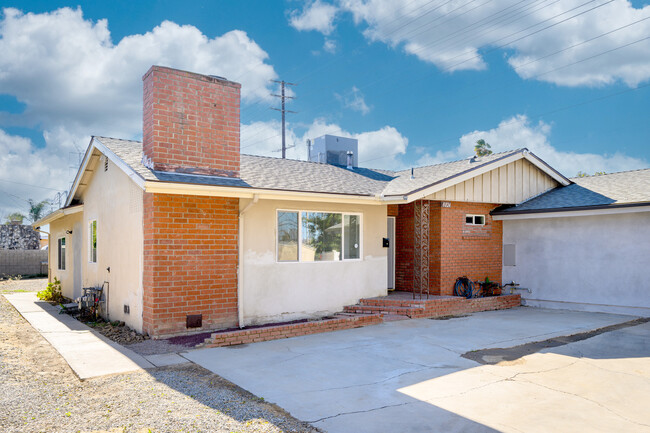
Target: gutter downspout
<point x="240" y="266"/>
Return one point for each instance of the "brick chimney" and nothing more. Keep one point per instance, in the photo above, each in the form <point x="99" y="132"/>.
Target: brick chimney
<point x="190" y="123"/>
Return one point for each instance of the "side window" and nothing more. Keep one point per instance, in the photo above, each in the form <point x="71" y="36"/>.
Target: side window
<point x="61" y="251"/>
<point x="92" y="242"/>
<point x="475" y="220"/>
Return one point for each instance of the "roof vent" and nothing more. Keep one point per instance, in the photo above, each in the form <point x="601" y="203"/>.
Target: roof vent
<point x="330" y="149"/>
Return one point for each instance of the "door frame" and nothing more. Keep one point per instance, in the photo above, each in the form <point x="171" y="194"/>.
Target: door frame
<point x="391" y="240"/>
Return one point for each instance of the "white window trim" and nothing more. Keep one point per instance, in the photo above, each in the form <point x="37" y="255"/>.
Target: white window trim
<point x="474" y="219"/>
<point x="58" y="252"/>
<point x="300" y="211"/>
<point x="90" y="241"/>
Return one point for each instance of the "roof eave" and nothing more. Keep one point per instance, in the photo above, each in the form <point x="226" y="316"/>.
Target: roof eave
<point x="504" y="215"/>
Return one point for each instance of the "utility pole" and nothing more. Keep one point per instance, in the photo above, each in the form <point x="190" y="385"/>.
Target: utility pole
<point x="283" y="97"/>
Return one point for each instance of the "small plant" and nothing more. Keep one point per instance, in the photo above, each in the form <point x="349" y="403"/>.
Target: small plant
<point x="52" y="293"/>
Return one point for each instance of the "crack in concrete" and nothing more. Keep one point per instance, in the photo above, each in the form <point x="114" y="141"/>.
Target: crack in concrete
<point x="359" y="411"/>
<point x="359" y="385"/>
<point x="589" y="400"/>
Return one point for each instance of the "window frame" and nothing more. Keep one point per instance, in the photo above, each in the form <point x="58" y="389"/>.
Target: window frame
<point x="473" y="223"/>
<point x="60" y="257"/>
<point x="90" y="241"/>
<point x="300" y="212"/>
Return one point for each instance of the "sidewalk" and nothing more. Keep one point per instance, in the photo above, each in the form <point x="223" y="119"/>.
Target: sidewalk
<point x="88" y="353"/>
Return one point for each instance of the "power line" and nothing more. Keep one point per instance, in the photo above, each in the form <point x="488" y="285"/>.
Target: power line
<point x="33" y="186"/>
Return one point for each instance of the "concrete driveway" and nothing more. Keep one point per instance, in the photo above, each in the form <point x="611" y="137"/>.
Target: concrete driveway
<point x="409" y="376"/>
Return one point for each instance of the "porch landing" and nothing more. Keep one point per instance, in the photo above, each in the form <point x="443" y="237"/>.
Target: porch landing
<point x="403" y="304"/>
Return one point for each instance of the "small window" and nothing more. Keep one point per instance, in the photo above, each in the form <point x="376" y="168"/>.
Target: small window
<point x="61" y="251"/>
<point x="475" y="220"/>
<point x="92" y="242"/>
<point x="287" y="236"/>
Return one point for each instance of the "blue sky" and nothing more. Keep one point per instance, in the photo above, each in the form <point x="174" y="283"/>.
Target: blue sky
<point x="416" y="81"/>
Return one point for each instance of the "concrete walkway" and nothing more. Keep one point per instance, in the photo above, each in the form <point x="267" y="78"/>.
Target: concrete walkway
<point x="409" y="376"/>
<point x="88" y="353"/>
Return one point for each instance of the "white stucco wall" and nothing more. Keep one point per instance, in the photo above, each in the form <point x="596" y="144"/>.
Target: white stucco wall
<point x="115" y="201"/>
<point x="591" y="263"/>
<point x="70" y="277"/>
<point x="275" y="291"/>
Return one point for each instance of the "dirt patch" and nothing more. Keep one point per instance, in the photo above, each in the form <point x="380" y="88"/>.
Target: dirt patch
<point x="513" y="355"/>
<point x="39" y="392"/>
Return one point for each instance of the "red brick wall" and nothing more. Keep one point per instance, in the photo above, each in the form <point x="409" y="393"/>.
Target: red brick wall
<point x="472" y="251"/>
<point x="190" y="262"/>
<point x="191" y="122"/>
<point x="455" y="249"/>
<point x="404" y="241"/>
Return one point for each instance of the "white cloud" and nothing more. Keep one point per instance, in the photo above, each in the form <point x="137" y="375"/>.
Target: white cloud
<point x="67" y="70"/>
<point x="354" y="100"/>
<point x="315" y="15"/>
<point x="381" y="148"/>
<point x="329" y="46"/>
<point x="518" y="132"/>
<point x="26" y="170"/>
<point x="452" y="35"/>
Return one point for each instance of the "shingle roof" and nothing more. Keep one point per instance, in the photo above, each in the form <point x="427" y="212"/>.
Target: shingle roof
<point x="292" y="175"/>
<point x="432" y="174"/>
<point x="622" y="188"/>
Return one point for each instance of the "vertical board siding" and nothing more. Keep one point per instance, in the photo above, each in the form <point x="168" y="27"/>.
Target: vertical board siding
<point x="508" y="184"/>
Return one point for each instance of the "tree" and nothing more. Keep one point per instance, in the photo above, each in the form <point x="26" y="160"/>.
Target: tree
<point x="598" y="173"/>
<point x="482" y="148"/>
<point x="36" y="209"/>
<point x="14" y="218"/>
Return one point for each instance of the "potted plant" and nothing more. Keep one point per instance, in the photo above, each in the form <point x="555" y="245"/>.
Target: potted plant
<point x="490" y="288"/>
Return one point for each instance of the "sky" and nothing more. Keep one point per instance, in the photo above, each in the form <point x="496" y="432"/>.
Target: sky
<point x="417" y="82"/>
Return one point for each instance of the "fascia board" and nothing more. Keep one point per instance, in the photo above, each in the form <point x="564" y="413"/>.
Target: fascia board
<point x="225" y="191"/>
<point x="559" y="213"/>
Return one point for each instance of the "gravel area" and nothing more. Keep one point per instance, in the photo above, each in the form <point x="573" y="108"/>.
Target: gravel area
<point x="40" y="393"/>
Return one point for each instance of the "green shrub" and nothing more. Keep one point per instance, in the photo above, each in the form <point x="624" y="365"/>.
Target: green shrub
<point x="52" y="292"/>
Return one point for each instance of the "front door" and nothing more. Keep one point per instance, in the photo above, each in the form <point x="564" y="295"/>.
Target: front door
<point x="391" y="252"/>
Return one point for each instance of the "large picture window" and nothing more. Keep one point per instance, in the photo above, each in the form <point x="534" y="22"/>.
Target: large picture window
<point x="61" y="252"/>
<point x="92" y="241"/>
<point x="309" y="236"/>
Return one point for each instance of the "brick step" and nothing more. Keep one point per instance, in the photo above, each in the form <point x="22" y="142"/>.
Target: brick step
<point x="390" y="302"/>
<point x="383" y="309"/>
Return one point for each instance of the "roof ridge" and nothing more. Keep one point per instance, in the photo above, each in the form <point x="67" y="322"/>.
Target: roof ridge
<point x="609" y="174"/>
<point x="463" y="159"/>
<point x="114" y="138"/>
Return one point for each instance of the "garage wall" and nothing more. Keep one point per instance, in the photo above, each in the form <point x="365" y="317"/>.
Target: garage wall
<point x="591" y="263"/>
<point x="274" y="292"/>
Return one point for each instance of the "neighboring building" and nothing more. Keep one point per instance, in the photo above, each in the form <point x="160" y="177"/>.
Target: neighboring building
<point x="183" y="225"/>
<point x="583" y="247"/>
<point x="20" y="252"/>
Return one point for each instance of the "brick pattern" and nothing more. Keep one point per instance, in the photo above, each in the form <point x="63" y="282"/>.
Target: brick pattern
<point x="431" y="308"/>
<point x="190" y="262"/>
<point x="455" y="249"/>
<point x="277" y="332"/>
<point x="191" y="122"/>
<point x="393" y="210"/>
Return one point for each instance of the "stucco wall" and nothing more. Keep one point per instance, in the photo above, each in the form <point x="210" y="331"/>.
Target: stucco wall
<point x="70" y="277"/>
<point x="115" y="201"/>
<point x="593" y="263"/>
<point x="275" y="291"/>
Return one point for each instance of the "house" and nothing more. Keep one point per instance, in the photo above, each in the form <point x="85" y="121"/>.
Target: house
<point x="189" y="234"/>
